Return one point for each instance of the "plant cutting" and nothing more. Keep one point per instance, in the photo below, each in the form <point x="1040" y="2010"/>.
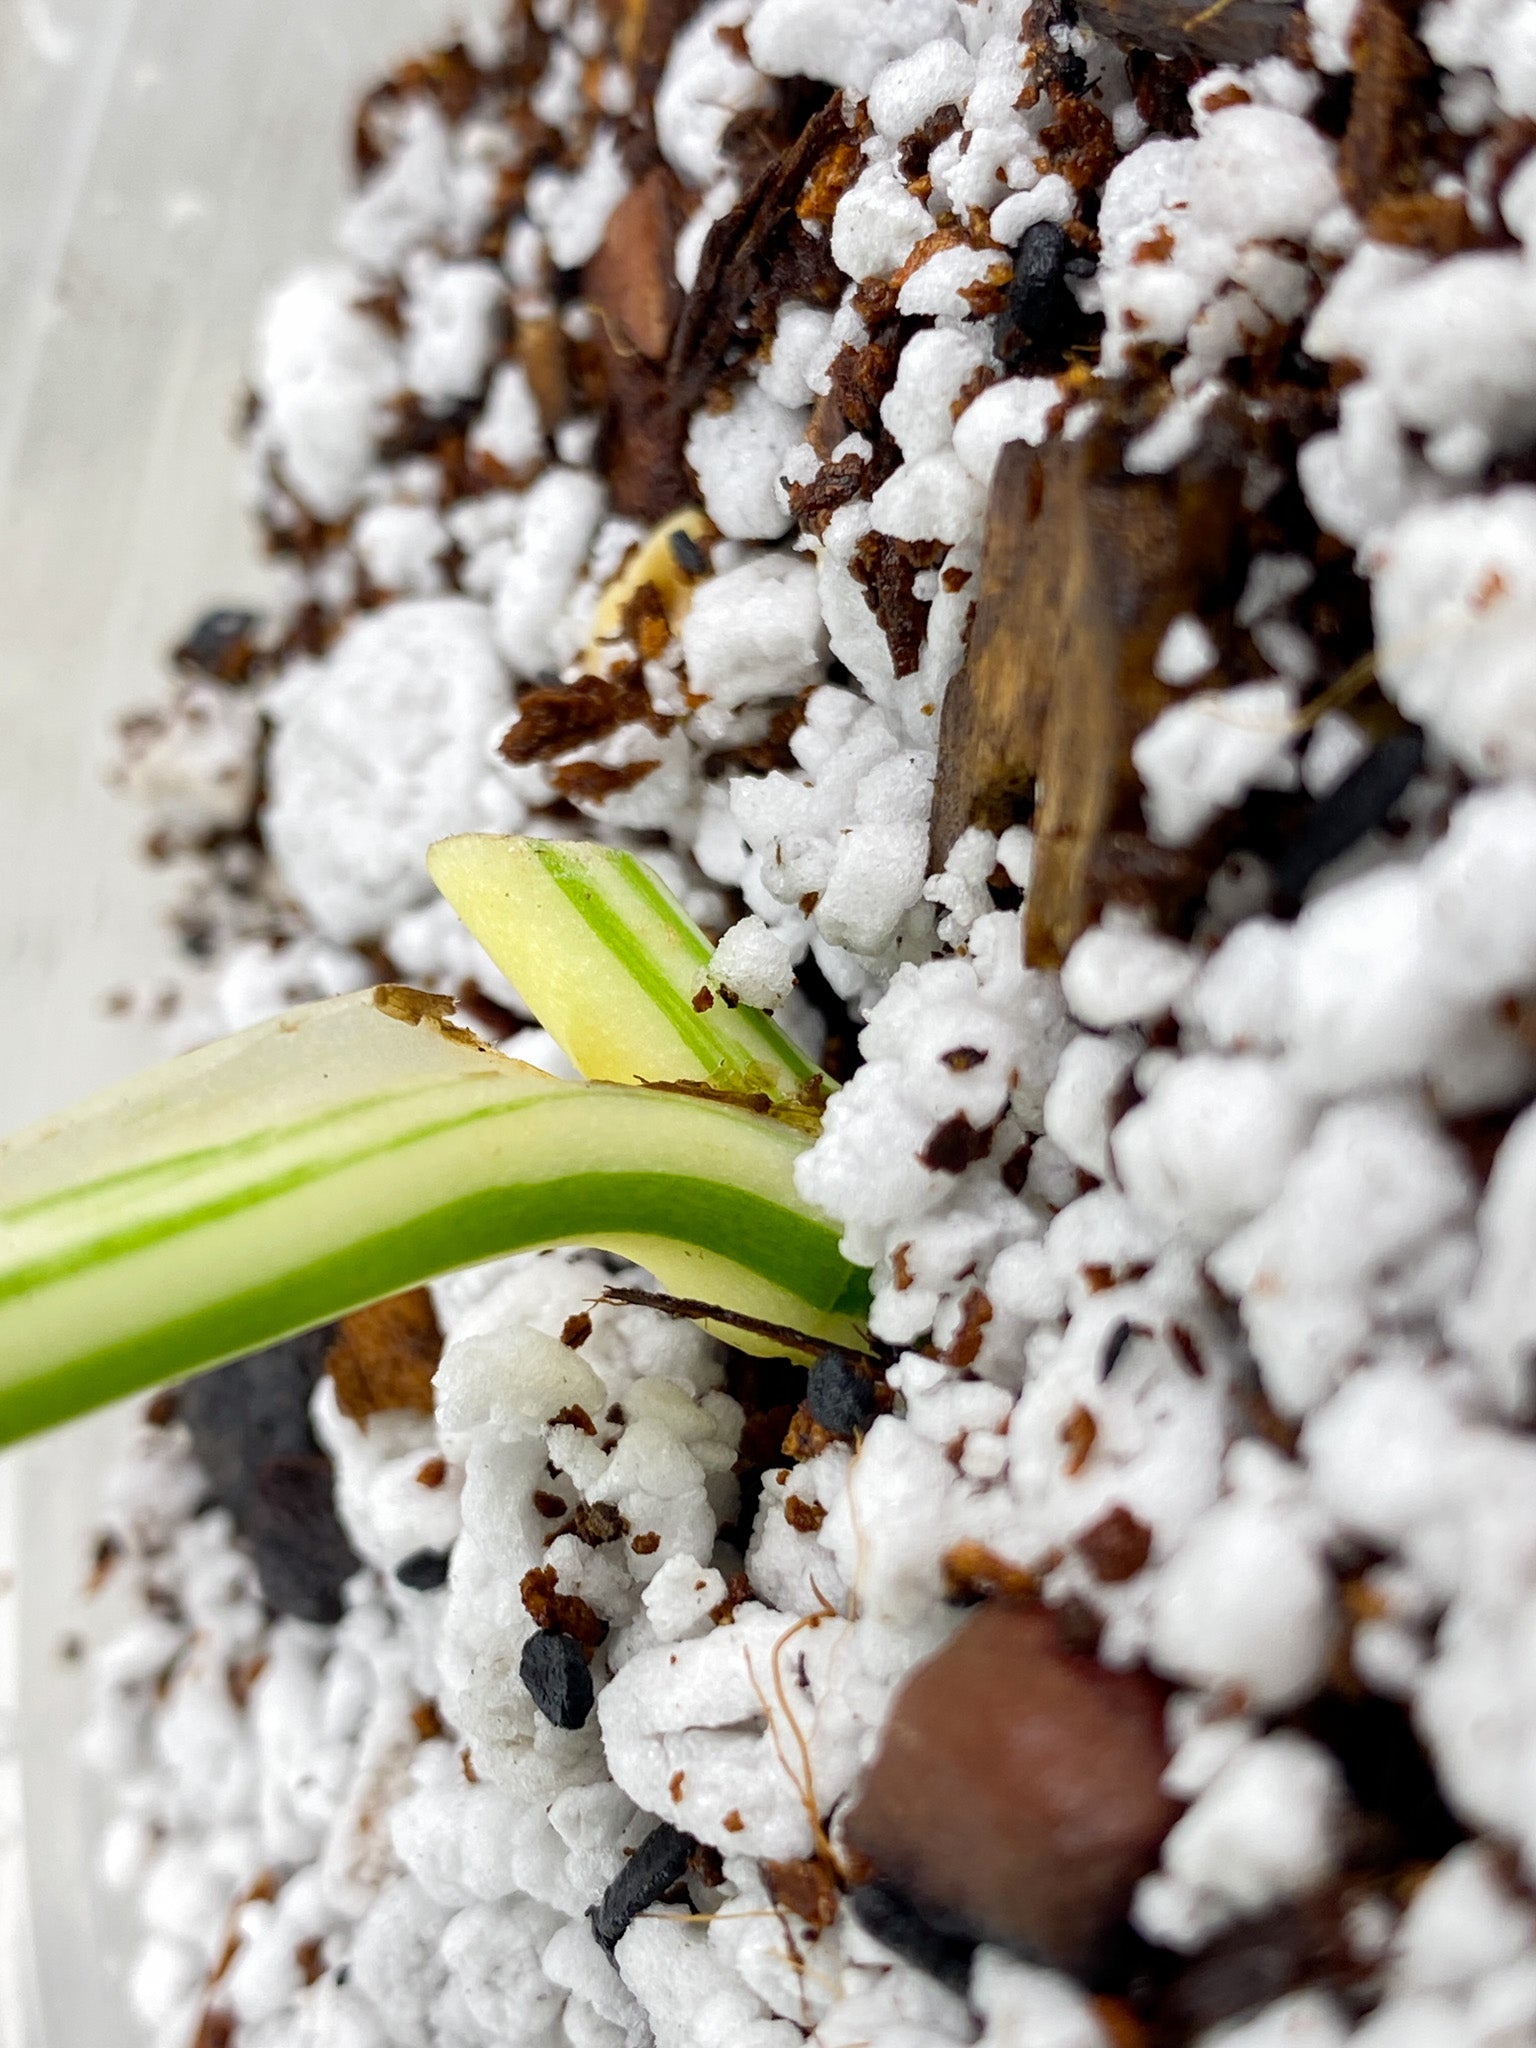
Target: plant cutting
<point x="347" y="1150"/>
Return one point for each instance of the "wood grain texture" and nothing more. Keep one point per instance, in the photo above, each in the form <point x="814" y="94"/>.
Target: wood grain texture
<point x="1083" y="570"/>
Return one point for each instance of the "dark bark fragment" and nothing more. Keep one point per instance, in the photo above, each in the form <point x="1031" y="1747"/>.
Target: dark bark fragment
<point x="758" y="256"/>
<point x="1336" y="821"/>
<point x="660" y="1862"/>
<point x="1239" y="33"/>
<point x="1084" y="568"/>
<point x="424" y="1570"/>
<point x="1383" y="150"/>
<point x="554" y="1670"/>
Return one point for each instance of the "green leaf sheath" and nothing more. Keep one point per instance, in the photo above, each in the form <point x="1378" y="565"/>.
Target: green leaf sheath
<point x="341" y="1153"/>
<point x="610" y="963"/>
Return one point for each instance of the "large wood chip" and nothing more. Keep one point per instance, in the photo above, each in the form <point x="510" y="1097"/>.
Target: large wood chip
<point x="384" y="1357"/>
<point x="1238" y="32"/>
<point x="1083" y="570"/>
<point x="1383" y="150"/>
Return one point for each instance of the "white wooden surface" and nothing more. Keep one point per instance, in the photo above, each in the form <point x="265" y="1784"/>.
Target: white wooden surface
<point x="162" y="162"/>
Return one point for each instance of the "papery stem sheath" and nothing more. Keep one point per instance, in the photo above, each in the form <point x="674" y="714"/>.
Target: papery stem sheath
<point x="611" y="964"/>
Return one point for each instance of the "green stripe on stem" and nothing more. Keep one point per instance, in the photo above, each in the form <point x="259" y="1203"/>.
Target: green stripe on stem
<point x="339" y="1154"/>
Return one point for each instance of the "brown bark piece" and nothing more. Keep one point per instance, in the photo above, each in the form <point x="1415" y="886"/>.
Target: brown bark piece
<point x="593" y="782"/>
<point x="1160" y="88"/>
<point x="975" y="1314"/>
<point x="1017" y="1790"/>
<point x="1083" y="570"/>
<point x="640" y="449"/>
<point x="805" y="1438"/>
<point x="1438" y="223"/>
<point x="1082" y="148"/>
<point x="760" y="254"/>
<point x="1299" y="1942"/>
<point x="1238" y="33"/>
<point x="631" y="281"/>
<point x="646" y="32"/>
<point x="955" y="1145"/>
<point x="1079" y="1433"/>
<point x="384" y="1357"/>
<point x="556" y="718"/>
<point x="886" y="570"/>
<point x="834" y="484"/>
<point x="449" y="78"/>
<point x="860" y="379"/>
<point x="1383" y="147"/>
<point x="565" y="1614"/>
<point x="598" y="1522"/>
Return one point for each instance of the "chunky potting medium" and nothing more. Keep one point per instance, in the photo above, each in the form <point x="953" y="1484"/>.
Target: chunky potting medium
<point x="1024" y="519"/>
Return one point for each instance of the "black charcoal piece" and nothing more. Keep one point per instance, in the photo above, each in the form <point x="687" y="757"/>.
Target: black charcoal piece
<point x="558" y="1681"/>
<point x="659" y="1863"/>
<point x="253" y="1409"/>
<point x="1336" y="821"/>
<point x="423" y="1571"/>
<point x="943" y="1951"/>
<point x="840" y="1397"/>
<point x="1040" y="318"/>
<point x="303" y="1558"/>
<point x="1119" y="1336"/>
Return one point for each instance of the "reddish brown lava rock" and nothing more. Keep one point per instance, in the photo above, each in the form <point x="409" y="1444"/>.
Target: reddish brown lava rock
<point x="1116" y="1547"/>
<point x="806" y="1887"/>
<point x="1017" y="1790"/>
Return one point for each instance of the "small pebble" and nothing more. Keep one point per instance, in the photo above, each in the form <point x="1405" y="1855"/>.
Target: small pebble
<point x="423" y="1571"/>
<point x="1017" y="1791"/>
<point x="250" y="1410"/>
<point x="687" y="553"/>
